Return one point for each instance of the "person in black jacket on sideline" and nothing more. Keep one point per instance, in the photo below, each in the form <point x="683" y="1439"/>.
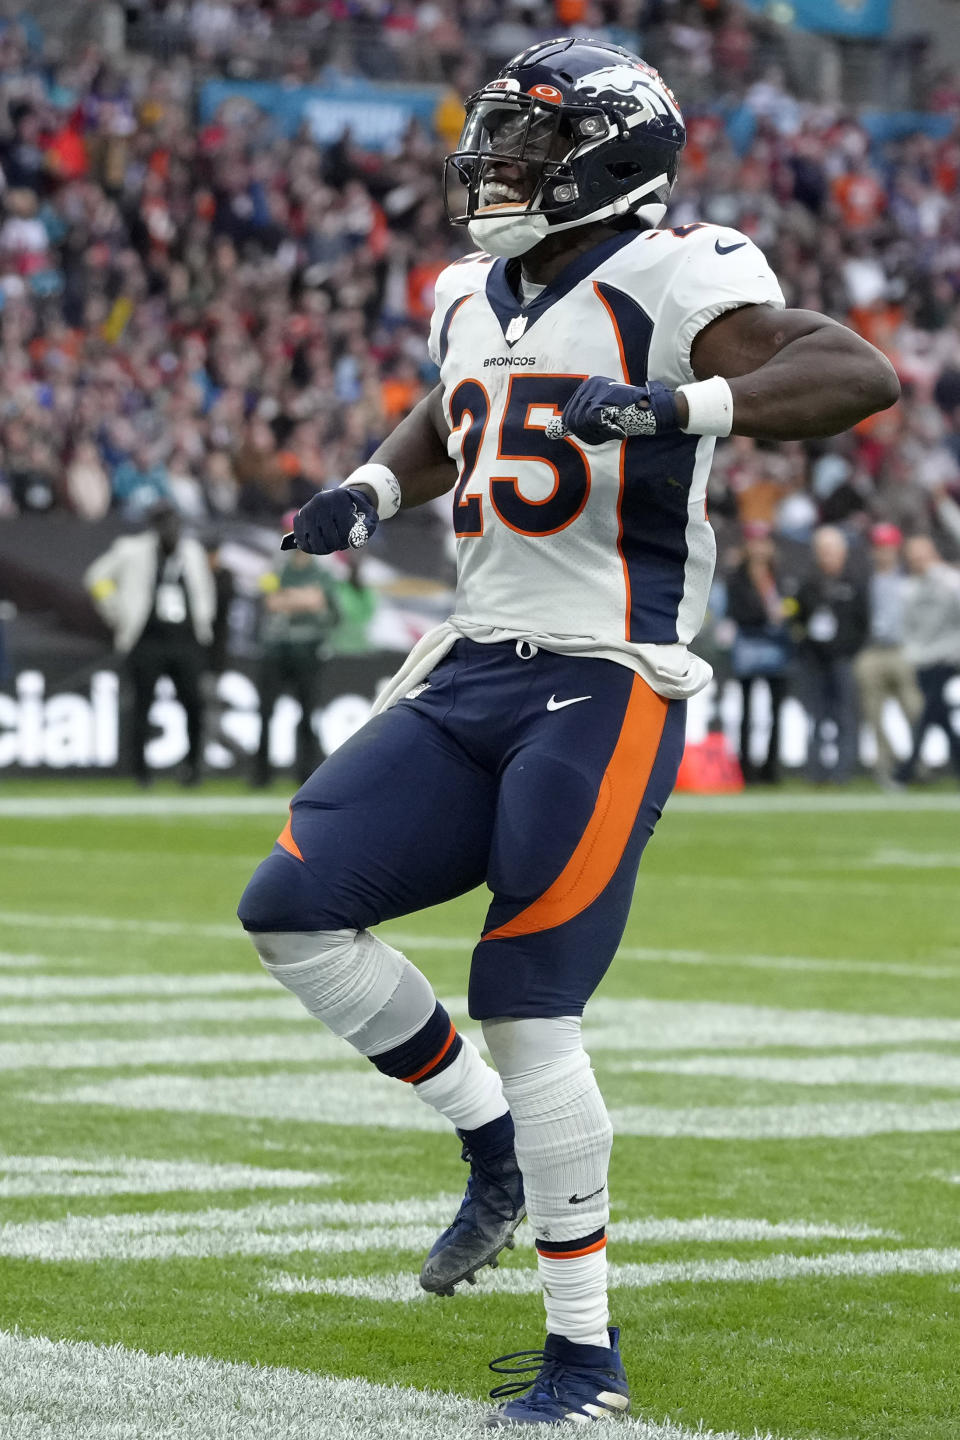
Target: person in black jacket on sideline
<point x="834" y="620"/>
<point x="761" y="649"/>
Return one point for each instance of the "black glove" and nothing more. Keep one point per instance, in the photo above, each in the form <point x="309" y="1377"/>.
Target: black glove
<point x="601" y="410"/>
<point x="342" y="519"/>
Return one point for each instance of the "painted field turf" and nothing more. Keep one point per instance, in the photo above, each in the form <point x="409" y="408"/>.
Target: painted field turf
<point x="190" y="1167"/>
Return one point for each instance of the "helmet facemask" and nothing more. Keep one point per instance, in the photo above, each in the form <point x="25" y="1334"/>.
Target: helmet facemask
<point x="509" y="177"/>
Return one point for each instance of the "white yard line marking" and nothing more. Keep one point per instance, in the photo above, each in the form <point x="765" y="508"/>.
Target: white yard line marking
<point x="272" y="1008"/>
<point x="778" y="883"/>
<point x="366" y="1099"/>
<point x="634" y="1029"/>
<point x="276" y="1230"/>
<point x="867" y="1264"/>
<point x="313" y="1044"/>
<point x="722" y="1228"/>
<point x="801" y="963"/>
<point x="621" y="1024"/>
<point x="793" y="804"/>
<point x="41" y="987"/>
<point x="73" y="1388"/>
<point x="840" y="1120"/>
<point x="123" y="1175"/>
<point x="11" y="961"/>
<point x="103" y="855"/>
<point x="201" y="806"/>
<point x="109" y="924"/>
<point x="898" y="1067"/>
<point x="909" y="860"/>
<point x="207" y="930"/>
<point x="335" y="1097"/>
<point x="328" y="1227"/>
<point x="653" y="955"/>
<point x="146" y="807"/>
<point x="611" y="1023"/>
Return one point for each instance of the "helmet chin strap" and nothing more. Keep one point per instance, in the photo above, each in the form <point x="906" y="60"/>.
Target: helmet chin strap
<point x="511" y="235"/>
<point x="508" y="235"/>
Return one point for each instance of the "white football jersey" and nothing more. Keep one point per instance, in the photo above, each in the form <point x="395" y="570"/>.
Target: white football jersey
<point x="594" y="549"/>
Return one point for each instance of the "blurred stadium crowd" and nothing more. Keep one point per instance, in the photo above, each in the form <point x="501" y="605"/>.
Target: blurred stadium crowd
<point x="226" y="318"/>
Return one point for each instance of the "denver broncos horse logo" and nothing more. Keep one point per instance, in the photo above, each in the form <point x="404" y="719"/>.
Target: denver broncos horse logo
<point x="642" y="83"/>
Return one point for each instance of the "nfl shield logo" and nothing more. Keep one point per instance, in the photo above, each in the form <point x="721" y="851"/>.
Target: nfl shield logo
<point x="516" y="328"/>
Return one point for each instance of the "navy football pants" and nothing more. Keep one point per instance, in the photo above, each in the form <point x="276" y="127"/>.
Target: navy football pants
<point x="542" y="776"/>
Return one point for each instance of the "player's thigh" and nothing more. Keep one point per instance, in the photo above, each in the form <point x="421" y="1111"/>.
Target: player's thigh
<point x="396" y="819"/>
<point x="572" y="823"/>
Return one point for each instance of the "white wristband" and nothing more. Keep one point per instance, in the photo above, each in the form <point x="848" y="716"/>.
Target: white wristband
<point x="710" y="404"/>
<point x="383" y="483"/>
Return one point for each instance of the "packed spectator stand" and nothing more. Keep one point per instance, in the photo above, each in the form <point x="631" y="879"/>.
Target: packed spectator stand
<point x="212" y="310"/>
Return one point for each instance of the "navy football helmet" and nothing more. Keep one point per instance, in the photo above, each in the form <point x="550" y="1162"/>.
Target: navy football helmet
<point x="570" y="132"/>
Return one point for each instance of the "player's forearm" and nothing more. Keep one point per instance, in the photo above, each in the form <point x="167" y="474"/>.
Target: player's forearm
<point x="819" y="384"/>
<point x="417" y="454"/>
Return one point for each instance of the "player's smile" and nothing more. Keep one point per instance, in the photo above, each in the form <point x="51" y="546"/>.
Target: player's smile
<point x="505" y="183"/>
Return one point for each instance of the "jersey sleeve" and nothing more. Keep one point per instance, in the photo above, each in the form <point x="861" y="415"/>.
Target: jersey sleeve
<point x="436" y="319"/>
<point x="450" y="286"/>
<point x="722" y="271"/>
<point x="462" y="278"/>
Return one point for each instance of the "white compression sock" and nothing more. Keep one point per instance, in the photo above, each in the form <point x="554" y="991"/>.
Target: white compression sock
<point x="563" y="1142"/>
<point x="372" y="996"/>
<point x="575" y="1296"/>
<point x="468" y="1092"/>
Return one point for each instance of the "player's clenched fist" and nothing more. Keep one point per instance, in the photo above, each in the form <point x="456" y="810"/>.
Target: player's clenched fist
<point x="602" y="409"/>
<point x="340" y="519"/>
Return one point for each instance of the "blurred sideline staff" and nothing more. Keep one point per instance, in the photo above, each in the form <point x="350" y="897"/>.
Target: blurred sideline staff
<point x="832" y="611"/>
<point x="882" y="668"/>
<point x="155" y="591"/>
<point x="357" y="604"/>
<point x="300" y="612"/>
<point x="756" y="603"/>
<point x="932" y="642"/>
<point x="217" y="657"/>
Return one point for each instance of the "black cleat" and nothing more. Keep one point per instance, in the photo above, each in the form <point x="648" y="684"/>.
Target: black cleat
<point x="573" y="1382"/>
<point x="491" y="1210"/>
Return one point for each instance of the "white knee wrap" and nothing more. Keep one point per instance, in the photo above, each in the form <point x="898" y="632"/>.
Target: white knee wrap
<point x="563" y="1132"/>
<point x="361" y="988"/>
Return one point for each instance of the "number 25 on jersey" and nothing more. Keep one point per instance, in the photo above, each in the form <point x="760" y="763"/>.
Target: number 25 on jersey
<point x="520" y="440"/>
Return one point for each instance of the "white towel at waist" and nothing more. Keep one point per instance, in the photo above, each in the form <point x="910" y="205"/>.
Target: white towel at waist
<point x="670" y="670"/>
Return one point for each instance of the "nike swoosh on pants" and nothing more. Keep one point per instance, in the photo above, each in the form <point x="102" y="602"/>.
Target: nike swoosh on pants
<point x="554" y="704"/>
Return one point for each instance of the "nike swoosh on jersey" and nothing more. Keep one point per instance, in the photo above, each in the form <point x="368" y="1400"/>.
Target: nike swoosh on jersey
<point x="728" y="249"/>
<point x="576" y="1199"/>
<point x="554" y="704"/>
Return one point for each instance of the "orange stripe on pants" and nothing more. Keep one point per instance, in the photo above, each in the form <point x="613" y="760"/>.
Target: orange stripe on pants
<point x="285" y="838"/>
<point x="593" y="863"/>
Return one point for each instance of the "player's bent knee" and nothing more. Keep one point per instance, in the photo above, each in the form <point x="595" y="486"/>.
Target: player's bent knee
<point x="360" y="987"/>
<point x="282" y="895"/>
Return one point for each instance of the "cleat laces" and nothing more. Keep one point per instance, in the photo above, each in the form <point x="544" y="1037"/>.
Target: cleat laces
<point x="536" y="1362"/>
<point x="550" y="1390"/>
<point x="559" y="1390"/>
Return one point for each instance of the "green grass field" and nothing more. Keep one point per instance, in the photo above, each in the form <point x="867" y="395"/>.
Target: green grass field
<point x="190" y="1166"/>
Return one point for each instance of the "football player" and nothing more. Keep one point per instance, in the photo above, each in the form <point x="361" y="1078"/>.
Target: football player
<point x="588" y="361"/>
